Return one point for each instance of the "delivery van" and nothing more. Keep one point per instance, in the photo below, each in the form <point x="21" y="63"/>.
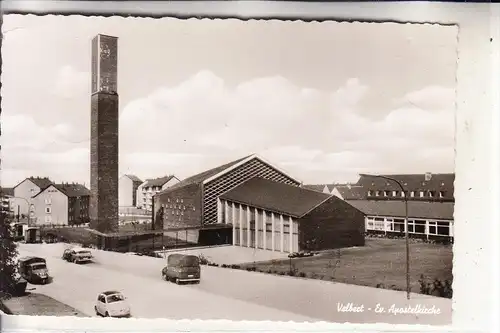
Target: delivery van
<point x="182" y="268"/>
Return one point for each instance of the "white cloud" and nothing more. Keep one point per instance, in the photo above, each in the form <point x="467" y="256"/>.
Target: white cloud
<point x="317" y="136"/>
<point x="70" y="83"/>
<point x="305" y="129"/>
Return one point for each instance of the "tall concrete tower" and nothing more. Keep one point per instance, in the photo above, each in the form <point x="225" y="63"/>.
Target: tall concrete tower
<point x="104" y="135"/>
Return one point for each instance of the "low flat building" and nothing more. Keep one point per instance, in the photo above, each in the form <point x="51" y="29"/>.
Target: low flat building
<point x="276" y="216"/>
<point x="425" y="219"/>
<point x="61" y="204"/>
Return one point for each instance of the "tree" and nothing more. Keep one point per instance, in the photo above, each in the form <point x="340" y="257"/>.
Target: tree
<point x="8" y="254"/>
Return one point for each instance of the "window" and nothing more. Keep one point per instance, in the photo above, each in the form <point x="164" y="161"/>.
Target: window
<point x="48" y="219"/>
<point x="177" y="200"/>
<point x="403" y="194"/>
<point x="441" y="194"/>
<point x="432" y="228"/>
<point x="394" y="193"/>
<point x="48" y="210"/>
<point x="399" y="225"/>
<point x="377" y="193"/>
<point x="421" y="194"/>
<point x="431" y="194"/>
<point x="370" y="193"/>
<point x="182" y="213"/>
<point x="419" y="226"/>
<point x="412" y="194"/>
<point x="386" y="193"/>
<point x="194" y="208"/>
<point x="168" y="199"/>
<point x="48" y="201"/>
<point x="443" y="228"/>
<point x="182" y="200"/>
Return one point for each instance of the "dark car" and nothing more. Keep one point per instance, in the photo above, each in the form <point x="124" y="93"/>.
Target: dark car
<point x="182" y="268"/>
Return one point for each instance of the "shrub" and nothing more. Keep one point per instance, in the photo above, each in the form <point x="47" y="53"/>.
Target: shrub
<point x="281" y="273"/>
<point x="380" y="285"/>
<point x="302" y="274"/>
<point x="224" y="266"/>
<point x="436" y="287"/>
<point x="8" y="252"/>
<point x="203" y="259"/>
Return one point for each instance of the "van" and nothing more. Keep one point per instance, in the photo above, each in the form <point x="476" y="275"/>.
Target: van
<point x="34" y="269"/>
<point x="182" y="268"/>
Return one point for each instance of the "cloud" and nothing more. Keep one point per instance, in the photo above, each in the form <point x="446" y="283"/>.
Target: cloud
<point x="317" y="136"/>
<point x="70" y="83"/>
<point x="305" y="129"/>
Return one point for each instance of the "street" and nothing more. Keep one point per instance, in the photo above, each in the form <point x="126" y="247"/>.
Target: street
<point x="222" y="294"/>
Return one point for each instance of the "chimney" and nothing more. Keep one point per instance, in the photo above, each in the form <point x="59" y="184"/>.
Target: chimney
<point x="428" y="176"/>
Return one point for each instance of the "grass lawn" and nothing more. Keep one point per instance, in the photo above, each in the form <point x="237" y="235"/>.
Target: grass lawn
<point x="381" y="261"/>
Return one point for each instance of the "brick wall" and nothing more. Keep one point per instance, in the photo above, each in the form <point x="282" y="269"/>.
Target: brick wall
<point x="181" y="207"/>
<point x="104" y="162"/>
<point x="333" y="224"/>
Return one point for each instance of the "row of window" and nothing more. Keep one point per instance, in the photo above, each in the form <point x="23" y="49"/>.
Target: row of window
<point x="439" y="228"/>
<point x="176" y="200"/>
<point x="422" y="194"/>
<point x="172" y="206"/>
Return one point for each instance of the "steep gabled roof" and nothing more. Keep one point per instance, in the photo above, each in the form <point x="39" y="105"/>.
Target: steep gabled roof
<point x="200" y="177"/>
<point x="351" y="192"/>
<point x="275" y="196"/>
<point x="396" y="208"/>
<point x="134" y="178"/>
<point x="411" y="182"/>
<point x="70" y="190"/>
<point x="158" y="181"/>
<point x="41" y="182"/>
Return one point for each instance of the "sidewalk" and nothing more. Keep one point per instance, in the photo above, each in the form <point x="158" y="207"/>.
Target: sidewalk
<point x="38" y="305"/>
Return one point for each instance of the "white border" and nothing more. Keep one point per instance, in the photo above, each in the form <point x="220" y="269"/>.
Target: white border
<point x="476" y="253"/>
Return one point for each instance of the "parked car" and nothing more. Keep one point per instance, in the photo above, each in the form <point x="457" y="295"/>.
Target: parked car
<point x="182" y="268"/>
<point x="33" y="269"/>
<point x="77" y="255"/>
<point x="112" y="304"/>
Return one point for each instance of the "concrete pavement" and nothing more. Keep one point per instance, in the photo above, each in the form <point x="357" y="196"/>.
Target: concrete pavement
<point x="225" y="293"/>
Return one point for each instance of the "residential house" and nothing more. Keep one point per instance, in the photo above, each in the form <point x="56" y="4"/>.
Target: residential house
<point x="61" y="204"/>
<point x="150" y="187"/>
<point x="419" y="187"/>
<point x="127" y="190"/>
<point x="25" y="191"/>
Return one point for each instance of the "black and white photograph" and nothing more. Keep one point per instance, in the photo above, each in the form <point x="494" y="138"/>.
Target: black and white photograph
<point x="258" y="170"/>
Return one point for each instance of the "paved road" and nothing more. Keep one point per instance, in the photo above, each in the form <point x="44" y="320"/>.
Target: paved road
<point x="223" y="293"/>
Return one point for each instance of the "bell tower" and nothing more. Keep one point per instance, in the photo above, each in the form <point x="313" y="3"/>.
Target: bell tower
<point x="104" y="135"/>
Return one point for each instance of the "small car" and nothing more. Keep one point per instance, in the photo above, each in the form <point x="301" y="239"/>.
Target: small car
<point x="77" y="255"/>
<point x="182" y="268"/>
<point x="112" y="303"/>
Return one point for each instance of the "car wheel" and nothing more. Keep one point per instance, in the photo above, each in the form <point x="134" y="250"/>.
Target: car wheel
<point x="96" y="312"/>
<point x="177" y="281"/>
<point x="106" y="314"/>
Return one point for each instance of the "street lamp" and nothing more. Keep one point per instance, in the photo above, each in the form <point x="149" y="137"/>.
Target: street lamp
<point x="406" y="228"/>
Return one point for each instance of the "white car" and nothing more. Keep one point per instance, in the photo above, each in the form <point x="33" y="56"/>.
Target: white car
<point x="112" y="304"/>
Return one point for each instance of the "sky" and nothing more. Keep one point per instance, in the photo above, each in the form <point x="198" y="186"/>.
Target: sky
<point x="322" y="101"/>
